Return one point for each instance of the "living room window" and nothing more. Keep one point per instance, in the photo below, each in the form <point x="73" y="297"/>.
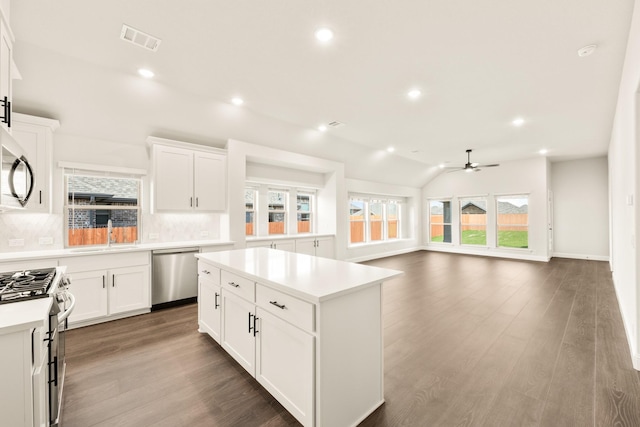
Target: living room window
<point x="250" y="197"/>
<point x="374" y="219"/>
<point x="304" y="211"/>
<point x="512" y="223"/>
<point x="94" y="200"/>
<point x="473" y="221"/>
<point x="440" y="221"/>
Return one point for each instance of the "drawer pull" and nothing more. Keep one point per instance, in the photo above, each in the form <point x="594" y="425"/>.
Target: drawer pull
<point x="280" y="306"/>
<point x="206" y="271"/>
<point x="234" y="284"/>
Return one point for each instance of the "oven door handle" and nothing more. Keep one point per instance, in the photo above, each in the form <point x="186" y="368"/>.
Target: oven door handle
<point x="67" y="312"/>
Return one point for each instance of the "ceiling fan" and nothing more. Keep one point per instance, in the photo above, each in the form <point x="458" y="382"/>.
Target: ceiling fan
<point x="471" y="167"/>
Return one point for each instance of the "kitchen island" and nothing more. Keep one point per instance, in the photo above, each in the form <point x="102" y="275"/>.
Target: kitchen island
<point x="309" y="329"/>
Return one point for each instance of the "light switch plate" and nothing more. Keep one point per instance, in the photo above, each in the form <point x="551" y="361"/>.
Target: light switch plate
<point x="46" y="240"/>
<point x="16" y="242"/>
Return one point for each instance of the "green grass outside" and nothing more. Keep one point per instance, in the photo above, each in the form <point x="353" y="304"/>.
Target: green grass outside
<point x="506" y="239"/>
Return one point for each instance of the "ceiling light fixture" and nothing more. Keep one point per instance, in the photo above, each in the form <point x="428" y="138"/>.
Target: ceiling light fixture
<point x="414" y="94"/>
<point x="543" y="151"/>
<point x="441" y="165"/>
<point x="518" y="122"/>
<point x="147" y="74"/>
<point x="587" y="50"/>
<point x="391" y="149"/>
<point x="324" y="35"/>
<point x="322" y="128"/>
<point x="237" y="101"/>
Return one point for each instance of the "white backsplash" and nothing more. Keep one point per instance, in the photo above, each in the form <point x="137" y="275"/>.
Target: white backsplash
<point x="180" y="227"/>
<point x="32" y="229"/>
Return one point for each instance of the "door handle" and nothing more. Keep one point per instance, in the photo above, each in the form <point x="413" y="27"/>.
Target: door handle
<point x="103" y="282"/>
<point x="113" y="280"/>
<point x="250" y="327"/>
<point x="255" y="325"/>
<point x="215" y="301"/>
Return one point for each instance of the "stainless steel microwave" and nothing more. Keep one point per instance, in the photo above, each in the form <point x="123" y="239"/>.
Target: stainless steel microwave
<point x="16" y="180"/>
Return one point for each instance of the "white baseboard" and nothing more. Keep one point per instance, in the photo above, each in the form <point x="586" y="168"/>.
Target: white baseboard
<point x="635" y="356"/>
<point x="580" y="256"/>
<point x="463" y="250"/>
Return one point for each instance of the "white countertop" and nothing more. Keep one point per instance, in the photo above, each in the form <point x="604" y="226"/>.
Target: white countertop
<point x="61" y="253"/>
<point x="311" y="278"/>
<point x="286" y="237"/>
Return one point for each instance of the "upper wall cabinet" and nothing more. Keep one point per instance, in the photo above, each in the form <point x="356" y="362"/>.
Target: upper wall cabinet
<point x="6" y="69"/>
<point x="188" y="178"/>
<point x="35" y="136"/>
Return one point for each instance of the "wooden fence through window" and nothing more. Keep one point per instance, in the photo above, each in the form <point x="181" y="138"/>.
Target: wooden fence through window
<point x="506" y="222"/>
<point x="98" y="236"/>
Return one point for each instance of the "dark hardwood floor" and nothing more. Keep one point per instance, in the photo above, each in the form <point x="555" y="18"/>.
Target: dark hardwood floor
<point x="469" y="341"/>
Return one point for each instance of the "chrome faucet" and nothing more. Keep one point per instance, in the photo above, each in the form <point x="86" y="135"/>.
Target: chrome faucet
<point x="109" y="233"/>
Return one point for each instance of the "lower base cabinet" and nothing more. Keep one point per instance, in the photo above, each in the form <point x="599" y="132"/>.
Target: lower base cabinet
<point x="108" y="286"/>
<point x="322" y="361"/>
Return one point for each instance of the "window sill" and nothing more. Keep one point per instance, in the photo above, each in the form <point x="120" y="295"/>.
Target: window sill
<point x="377" y="243"/>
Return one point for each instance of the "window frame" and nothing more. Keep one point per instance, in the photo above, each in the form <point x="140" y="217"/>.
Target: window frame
<point x="368" y="222"/>
<point x="502" y="197"/>
<point x="467" y="199"/>
<point x="284" y="211"/>
<point x="70" y="207"/>
<point x="443" y="223"/>
<point x="253" y="211"/>
<point x="309" y="212"/>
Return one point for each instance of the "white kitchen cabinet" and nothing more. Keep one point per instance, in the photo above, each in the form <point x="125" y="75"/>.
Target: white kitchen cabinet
<point x="108" y="286"/>
<point x="238" y="325"/>
<point x="35" y="136"/>
<point x="188" y="180"/>
<point x="129" y="289"/>
<point x="309" y="329"/>
<point x="284" y="364"/>
<point x="283" y="245"/>
<point x="317" y="246"/>
<point x="6" y="70"/>
<point x="92" y="296"/>
<point x="209" y="301"/>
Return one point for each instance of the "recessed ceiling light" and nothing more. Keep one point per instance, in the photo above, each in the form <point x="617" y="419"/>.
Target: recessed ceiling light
<point x="147" y="74"/>
<point x="322" y="128"/>
<point x="237" y="101"/>
<point x="518" y="122"/>
<point x="587" y="50"/>
<point x="391" y="149"/>
<point x="414" y="94"/>
<point x="324" y="35"/>
<point x="543" y="151"/>
<point x="441" y="165"/>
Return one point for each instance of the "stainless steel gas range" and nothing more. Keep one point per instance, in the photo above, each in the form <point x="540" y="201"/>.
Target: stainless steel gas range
<point x="18" y="286"/>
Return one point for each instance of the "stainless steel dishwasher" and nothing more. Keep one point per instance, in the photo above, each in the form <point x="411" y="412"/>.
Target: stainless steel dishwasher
<point x="175" y="277"/>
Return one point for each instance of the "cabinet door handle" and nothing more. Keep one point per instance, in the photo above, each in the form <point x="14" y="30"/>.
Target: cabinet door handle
<point x="215" y="301"/>
<point x="255" y="325"/>
<point x="104" y="285"/>
<point x="234" y="284"/>
<point x="40" y="196"/>
<point x="196" y="202"/>
<point x="190" y="202"/>
<point x="113" y="280"/>
<point x="280" y="306"/>
<point x="250" y="327"/>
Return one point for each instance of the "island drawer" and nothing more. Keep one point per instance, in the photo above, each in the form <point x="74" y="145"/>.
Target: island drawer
<point x="286" y="307"/>
<point x="209" y="272"/>
<point x="239" y="285"/>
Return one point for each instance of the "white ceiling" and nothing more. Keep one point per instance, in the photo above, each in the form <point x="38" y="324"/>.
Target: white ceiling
<point x="479" y="65"/>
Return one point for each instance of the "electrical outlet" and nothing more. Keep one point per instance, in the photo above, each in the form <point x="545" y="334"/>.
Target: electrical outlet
<point x="16" y="242"/>
<point x="46" y="240"/>
<point x="154" y="236"/>
<point x="204" y="233"/>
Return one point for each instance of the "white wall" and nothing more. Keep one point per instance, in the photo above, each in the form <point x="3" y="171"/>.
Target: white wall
<point x="518" y="177"/>
<point x="411" y="227"/>
<point x="623" y="180"/>
<point x="581" y="208"/>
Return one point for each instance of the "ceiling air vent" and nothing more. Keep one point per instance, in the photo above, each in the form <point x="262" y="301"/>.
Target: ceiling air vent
<point x="137" y="37"/>
<point x="335" y="124"/>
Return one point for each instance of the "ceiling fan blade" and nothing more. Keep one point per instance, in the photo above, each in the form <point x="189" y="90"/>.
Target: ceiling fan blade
<point x="488" y="166"/>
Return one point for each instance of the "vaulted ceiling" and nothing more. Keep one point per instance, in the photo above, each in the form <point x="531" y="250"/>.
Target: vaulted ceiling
<point x="479" y="65"/>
